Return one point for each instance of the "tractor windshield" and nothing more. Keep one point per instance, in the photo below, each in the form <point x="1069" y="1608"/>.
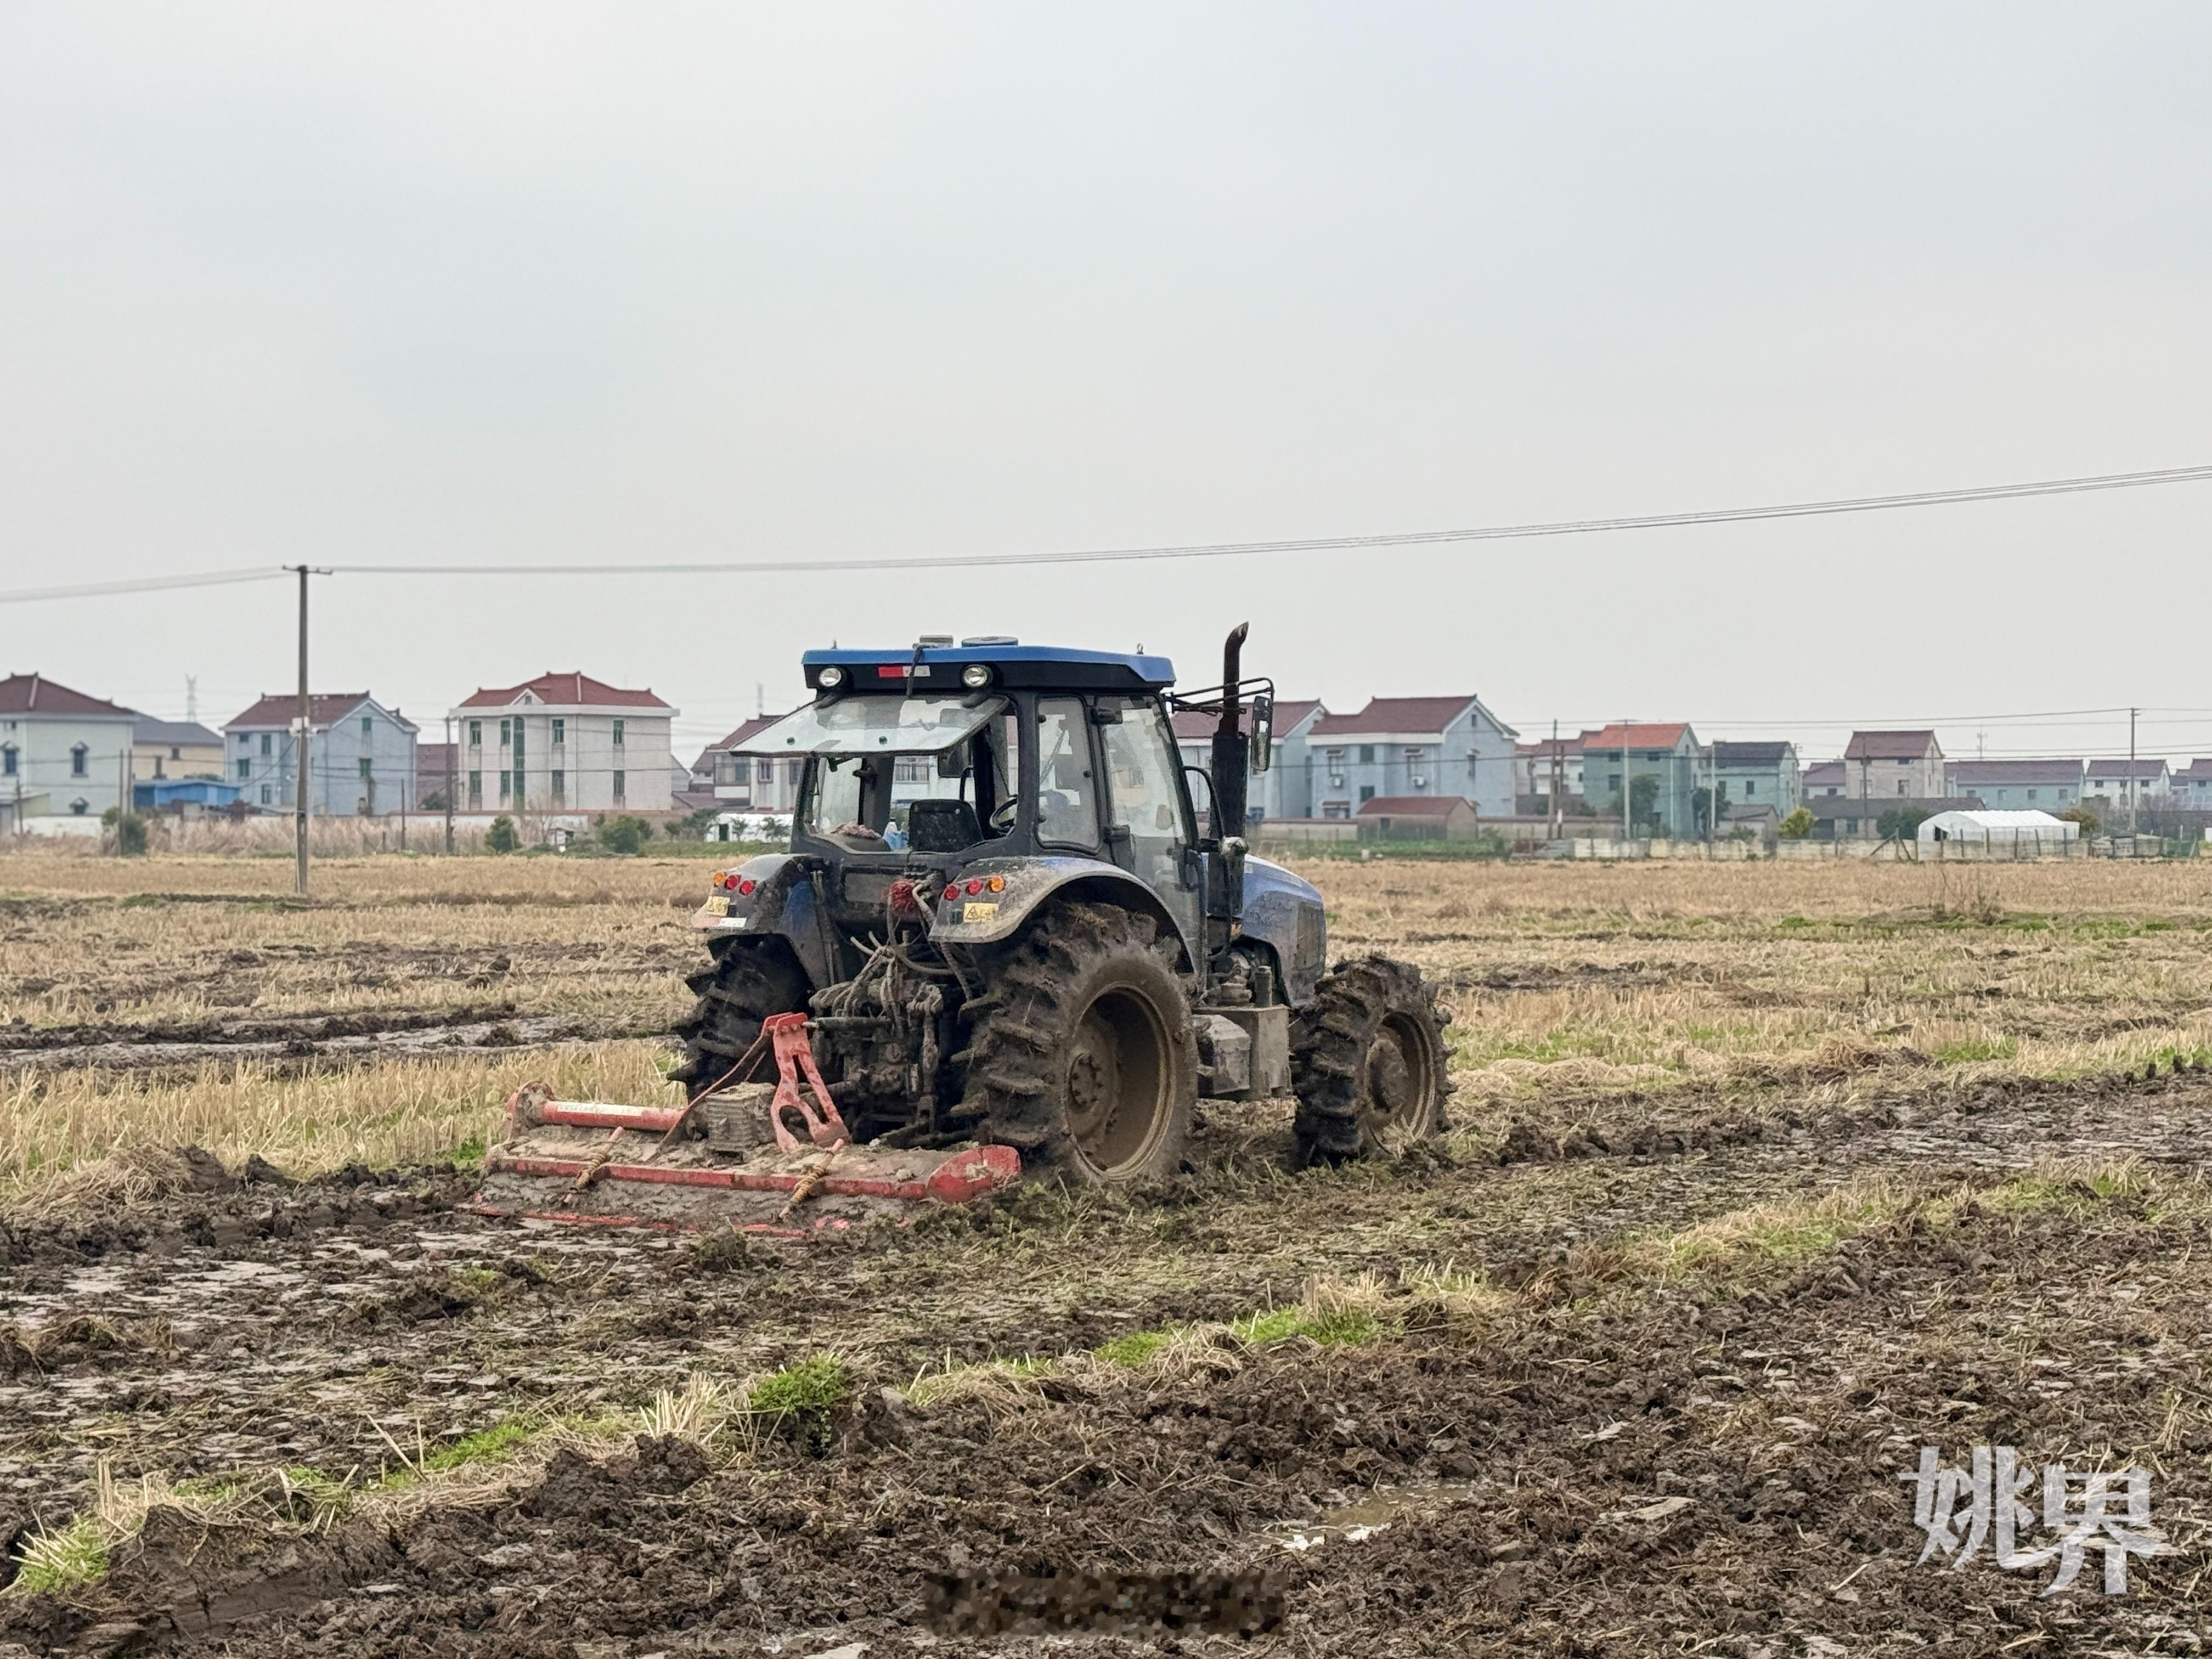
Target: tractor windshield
<point x="939" y="779"/>
<point x="878" y="725"/>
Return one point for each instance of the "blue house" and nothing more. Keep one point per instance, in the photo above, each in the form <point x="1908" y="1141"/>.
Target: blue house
<point x="1451" y="748"/>
<point x="184" y="797"/>
<point x="361" y="756"/>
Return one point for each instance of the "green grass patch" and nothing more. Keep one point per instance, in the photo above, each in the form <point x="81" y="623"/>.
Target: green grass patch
<point x="1136" y="1349"/>
<point x="1329" y="1327"/>
<point x="68" y="1559"/>
<point x="491" y="1445"/>
<point x="819" y="1384"/>
<point x="2075" y="1192"/>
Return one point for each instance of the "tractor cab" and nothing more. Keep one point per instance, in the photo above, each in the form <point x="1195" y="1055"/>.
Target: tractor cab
<point x="916" y="764"/>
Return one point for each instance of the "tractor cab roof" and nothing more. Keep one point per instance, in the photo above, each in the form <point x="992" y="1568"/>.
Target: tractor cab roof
<point x="1009" y="667"/>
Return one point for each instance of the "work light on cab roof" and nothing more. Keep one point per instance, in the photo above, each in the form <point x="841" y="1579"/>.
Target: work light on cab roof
<point x="1007" y="939"/>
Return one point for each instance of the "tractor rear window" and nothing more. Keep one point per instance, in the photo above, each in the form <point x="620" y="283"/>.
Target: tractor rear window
<point x="878" y="725"/>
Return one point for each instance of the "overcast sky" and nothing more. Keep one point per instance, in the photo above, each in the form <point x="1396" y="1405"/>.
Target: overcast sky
<point x="483" y="283"/>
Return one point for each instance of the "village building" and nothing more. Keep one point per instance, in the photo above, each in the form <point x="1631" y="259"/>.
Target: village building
<point x="1755" y="774"/>
<point x="361" y="756"/>
<point x="64" y="755"/>
<point x="161" y="749"/>
<point x="1616" y="757"/>
<point x="1449" y="746"/>
<point x="2046" y="786"/>
<point x="564" y="743"/>
<point x="1894" y="765"/>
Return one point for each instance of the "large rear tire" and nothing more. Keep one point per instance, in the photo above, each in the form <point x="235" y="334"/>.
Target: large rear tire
<point x="751" y="979"/>
<point x="1081" y="1053"/>
<point x="1368" y="1057"/>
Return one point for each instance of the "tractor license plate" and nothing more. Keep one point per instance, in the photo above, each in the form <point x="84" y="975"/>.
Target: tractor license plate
<point x="718" y="906"/>
<point x="982" y="910"/>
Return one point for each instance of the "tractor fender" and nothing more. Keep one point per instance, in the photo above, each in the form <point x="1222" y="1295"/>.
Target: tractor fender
<point x="984" y="917"/>
<point x="783" y="903"/>
<point x="1284" y="912"/>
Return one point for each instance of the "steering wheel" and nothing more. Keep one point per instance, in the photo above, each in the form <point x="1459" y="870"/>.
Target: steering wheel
<point x="1002" y="816"/>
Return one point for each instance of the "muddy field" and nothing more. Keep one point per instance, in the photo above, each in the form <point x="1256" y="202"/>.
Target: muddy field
<point x="1755" y="1189"/>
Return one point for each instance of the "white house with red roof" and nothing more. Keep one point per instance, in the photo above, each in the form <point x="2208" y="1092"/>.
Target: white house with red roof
<point x="1410" y="746"/>
<point x="563" y="742"/>
<point x="360" y="754"/>
<point x="63" y="754"/>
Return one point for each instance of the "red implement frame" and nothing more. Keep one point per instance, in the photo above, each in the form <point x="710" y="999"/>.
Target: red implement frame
<point x="794" y="1054"/>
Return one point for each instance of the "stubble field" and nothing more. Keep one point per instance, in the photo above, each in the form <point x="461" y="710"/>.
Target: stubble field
<point x="1760" y="1178"/>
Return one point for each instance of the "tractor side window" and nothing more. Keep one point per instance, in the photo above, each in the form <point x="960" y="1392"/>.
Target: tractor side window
<point x="1066" y="793"/>
<point x="1142" y="769"/>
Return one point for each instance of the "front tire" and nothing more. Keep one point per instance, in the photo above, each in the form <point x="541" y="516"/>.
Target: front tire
<point x="1368" y="1058"/>
<point x="1081" y="1053"/>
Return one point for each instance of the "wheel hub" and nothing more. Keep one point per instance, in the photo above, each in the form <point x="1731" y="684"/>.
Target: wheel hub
<point x="1092" y="1084"/>
<point x="1115" y="1079"/>
<point x="1391" y="1085"/>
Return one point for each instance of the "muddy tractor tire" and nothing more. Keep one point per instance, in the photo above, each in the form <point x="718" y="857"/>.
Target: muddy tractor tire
<point x="751" y="980"/>
<point x="1081" y="1054"/>
<point x="1368" y="1057"/>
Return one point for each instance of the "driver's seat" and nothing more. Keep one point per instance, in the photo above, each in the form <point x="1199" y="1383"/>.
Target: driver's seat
<point x="938" y="825"/>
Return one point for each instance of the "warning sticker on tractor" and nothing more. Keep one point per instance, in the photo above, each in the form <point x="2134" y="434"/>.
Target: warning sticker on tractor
<point x="717" y="906"/>
<point x="980" y="910"/>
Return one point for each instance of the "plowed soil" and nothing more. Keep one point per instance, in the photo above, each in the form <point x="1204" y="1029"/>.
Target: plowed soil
<point x="1520" y="1460"/>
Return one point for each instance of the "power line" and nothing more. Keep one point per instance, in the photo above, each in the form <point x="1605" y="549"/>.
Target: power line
<point x="1330" y="544"/>
<point x="143" y="585"/>
<point x="1186" y="550"/>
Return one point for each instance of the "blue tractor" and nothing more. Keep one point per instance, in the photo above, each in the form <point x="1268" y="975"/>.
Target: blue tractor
<point x="1006" y="925"/>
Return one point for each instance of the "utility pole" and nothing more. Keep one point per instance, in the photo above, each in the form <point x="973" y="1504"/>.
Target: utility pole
<point x="191" y="698"/>
<point x="2132" y="785"/>
<point x="1558" y="824"/>
<point x="1627" y="793"/>
<point x="300" y="752"/>
<point x="450" y="774"/>
<point x="1712" y="797"/>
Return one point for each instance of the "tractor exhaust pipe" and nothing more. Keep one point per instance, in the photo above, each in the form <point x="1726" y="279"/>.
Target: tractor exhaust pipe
<point x="1231" y="748"/>
<point x="1232" y="760"/>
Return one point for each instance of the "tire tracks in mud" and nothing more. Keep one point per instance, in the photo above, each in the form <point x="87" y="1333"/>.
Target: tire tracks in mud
<point x="315" y="1039"/>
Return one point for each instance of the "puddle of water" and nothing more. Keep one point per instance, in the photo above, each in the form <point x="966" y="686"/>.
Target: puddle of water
<point x="1365" y="1517"/>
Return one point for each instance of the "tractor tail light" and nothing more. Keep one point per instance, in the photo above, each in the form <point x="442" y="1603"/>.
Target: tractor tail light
<point x="952" y="891"/>
<point x="975" y="886"/>
<point x="997" y="884"/>
<point x="746" y="886"/>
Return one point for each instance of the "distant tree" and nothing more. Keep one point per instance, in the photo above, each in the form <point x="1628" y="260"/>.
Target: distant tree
<point x="623" y="833"/>
<point x="129" y="834"/>
<point x="1797" y="825"/>
<point x="1701" y="805"/>
<point x="1900" y="823"/>
<point x="691" y="827"/>
<point x="500" y="837"/>
<point x="2085" y="816"/>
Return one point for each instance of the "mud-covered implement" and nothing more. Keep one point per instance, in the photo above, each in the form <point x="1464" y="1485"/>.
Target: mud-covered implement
<point x="1000" y="943"/>
<point x="730" y="1158"/>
